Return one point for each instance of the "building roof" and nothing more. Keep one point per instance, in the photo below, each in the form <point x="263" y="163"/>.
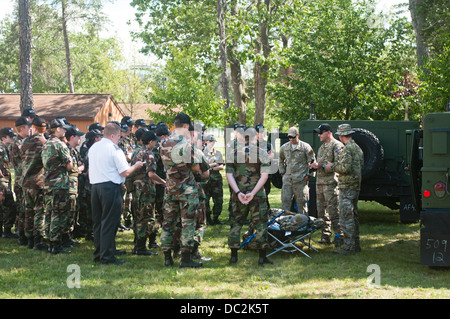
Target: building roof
<point x="50" y="105"/>
<point x="140" y="110"/>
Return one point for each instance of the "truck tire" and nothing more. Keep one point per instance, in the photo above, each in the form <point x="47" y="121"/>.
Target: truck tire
<point x="372" y="149"/>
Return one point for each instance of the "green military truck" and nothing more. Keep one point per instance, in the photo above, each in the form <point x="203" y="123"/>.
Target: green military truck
<point x="429" y="167"/>
<point x="384" y="178"/>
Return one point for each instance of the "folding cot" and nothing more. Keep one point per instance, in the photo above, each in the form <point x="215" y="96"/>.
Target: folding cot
<point x="286" y="228"/>
<point x="289" y="229"/>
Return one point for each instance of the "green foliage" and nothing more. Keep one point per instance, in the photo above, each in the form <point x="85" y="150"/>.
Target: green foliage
<point x="346" y="60"/>
<point x="435" y="89"/>
<point x="189" y="86"/>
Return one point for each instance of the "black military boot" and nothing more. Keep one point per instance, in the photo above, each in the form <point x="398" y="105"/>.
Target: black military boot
<point x="39" y="243"/>
<point x="168" y="261"/>
<point x="141" y="250"/>
<point x="22" y="239"/>
<point x="57" y="248"/>
<point x="234" y="256"/>
<point x="197" y="255"/>
<point x="7" y="233"/>
<point x="30" y="242"/>
<point x="263" y="259"/>
<point x="152" y="243"/>
<point x="186" y="261"/>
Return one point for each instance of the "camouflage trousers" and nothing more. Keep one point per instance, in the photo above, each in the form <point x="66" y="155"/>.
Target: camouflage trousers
<point x="57" y="213"/>
<point x="200" y="219"/>
<point x="20" y="209"/>
<point x="73" y="211"/>
<point x="348" y="217"/>
<point x="8" y="210"/>
<point x="214" y="190"/>
<point x="84" y="219"/>
<point x="258" y="211"/>
<point x="145" y="224"/>
<point x="328" y="209"/>
<point x="184" y="211"/>
<point x="159" y="203"/>
<point x="298" y="190"/>
<point x="34" y="222"/>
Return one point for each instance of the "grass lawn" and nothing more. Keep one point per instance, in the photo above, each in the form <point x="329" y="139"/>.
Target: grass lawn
<point x="391" y="246"/>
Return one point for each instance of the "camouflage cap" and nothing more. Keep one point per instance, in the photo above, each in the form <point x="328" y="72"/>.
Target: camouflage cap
<point x="292" y="132"/>
<point x="344" y="129"/>
<point x="210" y="138"/>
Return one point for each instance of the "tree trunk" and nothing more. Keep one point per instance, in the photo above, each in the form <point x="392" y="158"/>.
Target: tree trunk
<point x="221" y="8"/>
<point x="66" y="44"/>
<point x="26" y="79"/>
<point x="261" y="65"/>
<point x="418" y="21"/>
<point x="237" y="81"/>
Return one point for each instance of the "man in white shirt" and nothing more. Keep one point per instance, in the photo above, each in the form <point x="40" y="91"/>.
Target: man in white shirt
<point x="108" y="169"/>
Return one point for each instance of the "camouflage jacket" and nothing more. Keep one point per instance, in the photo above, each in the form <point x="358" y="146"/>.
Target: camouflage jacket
<point x="215" y="156"/>
<point x="5" y="165"/>
<point x="127" y="146"/>
<point x="178" y="159"/>
<point x="15" y="158"/>
<point x="294" y="160"/>
<point x="73" y="173"/>
<point x="349" y="166"/>
<point x="160" y="169"/>
<point x="55" y="157"/>
<point x="248" y="164"/>
<point x="328" y="153"/>
<point x="32" y="166"/>
<point x="140" y="178"/>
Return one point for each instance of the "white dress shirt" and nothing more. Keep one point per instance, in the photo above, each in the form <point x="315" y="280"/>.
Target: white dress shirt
<point x="106" y="162"/>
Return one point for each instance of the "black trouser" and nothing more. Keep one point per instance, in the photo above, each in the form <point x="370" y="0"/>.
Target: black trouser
<point x="106" y="203"/>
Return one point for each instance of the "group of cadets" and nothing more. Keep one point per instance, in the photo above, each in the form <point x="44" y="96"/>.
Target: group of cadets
<point x="49" y="201"/>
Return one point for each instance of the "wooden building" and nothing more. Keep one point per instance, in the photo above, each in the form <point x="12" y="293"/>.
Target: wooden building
<point x="79" y="109"/>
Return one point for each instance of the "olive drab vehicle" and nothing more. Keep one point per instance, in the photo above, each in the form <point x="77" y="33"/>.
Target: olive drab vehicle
<point x="429" y="166"/>
<point x="384" y="178"/>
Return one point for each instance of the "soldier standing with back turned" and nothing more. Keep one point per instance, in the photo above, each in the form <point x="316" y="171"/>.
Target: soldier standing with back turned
<point x="349" y="167"/>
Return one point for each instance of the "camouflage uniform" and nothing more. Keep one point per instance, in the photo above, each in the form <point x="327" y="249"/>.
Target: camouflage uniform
<point x="182" y="197"/>
<point x="16" y="162"/>
<point x="214" y="187"/>
<point x="201" y="182"/>
<point x="32" y="182"/>
<point x="160" y="189"/>
<point x="127" y="145"/>
<point x="326" y="188"/>
<point x="144" y="216"/>
<point x="55" y="157"/>
<point x="7" y="206"/>
<point x="73" y="194"/>
<point x="84" y="196"/>
<point x="349" y="167"/>
<point x="294" y="160"/>
<point x="247" y="171"/>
